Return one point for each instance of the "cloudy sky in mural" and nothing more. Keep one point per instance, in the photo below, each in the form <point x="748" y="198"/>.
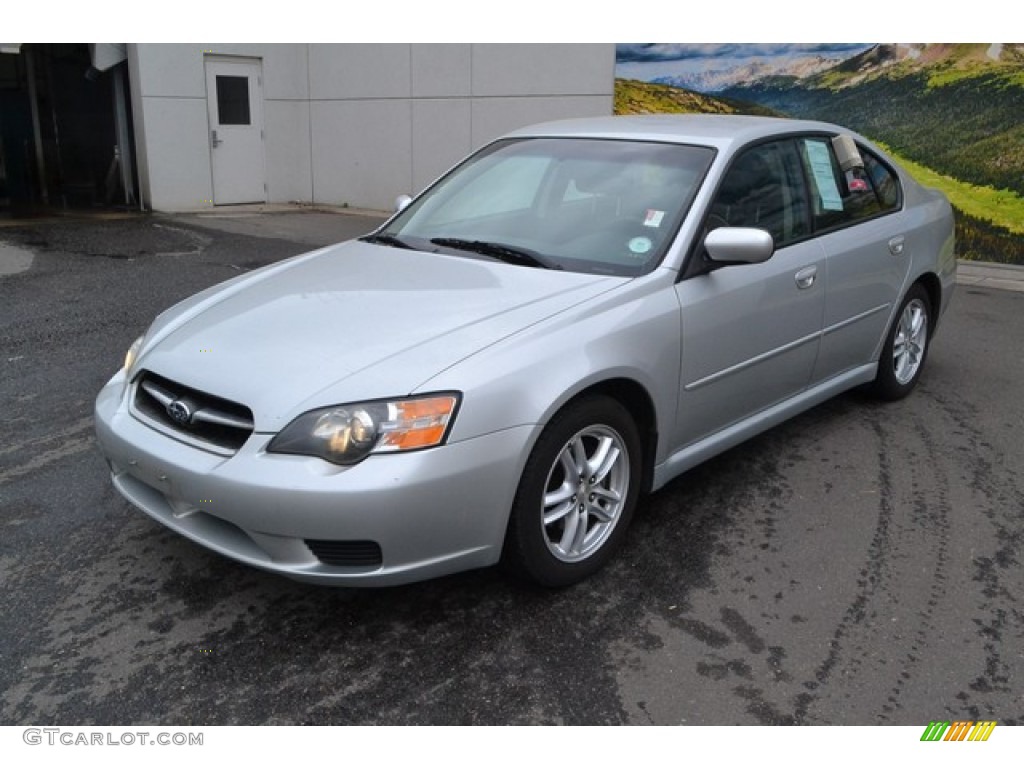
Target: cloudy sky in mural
<point x="645" y="61"/>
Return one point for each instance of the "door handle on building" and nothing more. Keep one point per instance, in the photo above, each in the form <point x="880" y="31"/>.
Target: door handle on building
<point x="214" y="140"/>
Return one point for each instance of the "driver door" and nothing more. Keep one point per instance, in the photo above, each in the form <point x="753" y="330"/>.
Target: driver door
<point x="751" y="332"/>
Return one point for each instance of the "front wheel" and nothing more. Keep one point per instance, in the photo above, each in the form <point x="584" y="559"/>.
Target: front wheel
<point x="906" y="347"/>
<point x="577" y="494"/>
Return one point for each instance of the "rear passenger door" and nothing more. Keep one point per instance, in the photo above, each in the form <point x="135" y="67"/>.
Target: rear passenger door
<point x="867" y="259"/>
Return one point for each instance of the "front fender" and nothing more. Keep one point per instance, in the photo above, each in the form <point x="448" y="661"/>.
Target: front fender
<point x="629" y="333"/>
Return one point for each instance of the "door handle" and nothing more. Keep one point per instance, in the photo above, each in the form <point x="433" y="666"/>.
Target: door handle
<point x="214" y="140"/>
<point x="805" y="277"/>
<point x="896" y="245"/>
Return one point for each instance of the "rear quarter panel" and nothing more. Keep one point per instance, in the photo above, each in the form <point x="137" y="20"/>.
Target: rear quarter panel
<point x="932" y="239"/>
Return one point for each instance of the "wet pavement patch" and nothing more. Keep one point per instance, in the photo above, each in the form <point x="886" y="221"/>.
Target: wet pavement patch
<point x="14" y="259"/>
<point x="119" y="239"/>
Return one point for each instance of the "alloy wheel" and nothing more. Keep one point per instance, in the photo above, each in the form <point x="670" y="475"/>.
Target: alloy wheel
<point x="585" y="493"/>
<point x="911" y="338"/>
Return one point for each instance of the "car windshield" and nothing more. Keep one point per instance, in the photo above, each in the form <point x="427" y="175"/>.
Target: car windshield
<point x="589" y="205"/>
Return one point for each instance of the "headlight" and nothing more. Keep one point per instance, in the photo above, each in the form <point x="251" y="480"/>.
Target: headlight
<point x="133" y="352"/>
<point x="347" y="434"/>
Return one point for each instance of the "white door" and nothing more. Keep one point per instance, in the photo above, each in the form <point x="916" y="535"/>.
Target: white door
<point x="234" y="98"/>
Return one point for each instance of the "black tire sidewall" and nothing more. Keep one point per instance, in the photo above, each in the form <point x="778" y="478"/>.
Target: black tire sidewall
<point x="885" y="385"/>
<point x="526" y="551"/>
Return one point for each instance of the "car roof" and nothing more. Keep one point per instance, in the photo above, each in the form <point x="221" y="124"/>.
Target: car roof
<point x="720" y="131"/>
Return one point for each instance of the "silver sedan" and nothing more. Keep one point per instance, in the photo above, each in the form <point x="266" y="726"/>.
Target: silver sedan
<point x="573" y="316"/>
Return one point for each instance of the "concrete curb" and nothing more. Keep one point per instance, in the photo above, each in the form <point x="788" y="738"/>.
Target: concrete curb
<point x="1008" y="277"/>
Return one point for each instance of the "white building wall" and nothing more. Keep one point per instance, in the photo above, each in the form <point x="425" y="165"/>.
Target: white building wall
<point x="356" y="124"/>
<point x="286" y="117"/>
<point x="289" y="168"/>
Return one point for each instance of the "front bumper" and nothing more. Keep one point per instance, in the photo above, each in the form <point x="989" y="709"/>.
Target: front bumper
<point x="431" y="512"/>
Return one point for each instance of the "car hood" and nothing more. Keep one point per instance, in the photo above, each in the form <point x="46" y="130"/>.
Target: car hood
<point x="350" y="322"/>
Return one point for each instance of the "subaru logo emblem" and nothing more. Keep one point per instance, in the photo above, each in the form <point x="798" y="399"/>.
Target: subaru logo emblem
<point x="180" y="412"/>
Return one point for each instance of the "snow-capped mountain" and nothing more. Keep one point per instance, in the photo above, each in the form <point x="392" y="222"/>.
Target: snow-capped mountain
<point x="752" y="71"/>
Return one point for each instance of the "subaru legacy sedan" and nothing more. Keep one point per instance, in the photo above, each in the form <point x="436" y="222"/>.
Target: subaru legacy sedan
<point x="564" y="322"/>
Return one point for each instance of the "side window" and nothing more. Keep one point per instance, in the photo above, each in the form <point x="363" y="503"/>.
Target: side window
<point x="883" y="179"/>
<point x="839" y="198"/>
<point x="764" y="189"/>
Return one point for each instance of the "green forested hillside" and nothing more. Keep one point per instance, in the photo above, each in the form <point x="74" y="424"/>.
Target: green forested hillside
<point x="980" y="240"/>
<point x="634" y="97"/>
<point x="941" y="63"/>
<point x="1001" y="208"/>
<point x="989" y="222"/>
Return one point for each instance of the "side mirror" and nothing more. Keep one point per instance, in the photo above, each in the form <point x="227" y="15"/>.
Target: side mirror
<point x="401" y="202"/>
<point x="738" y="245"/>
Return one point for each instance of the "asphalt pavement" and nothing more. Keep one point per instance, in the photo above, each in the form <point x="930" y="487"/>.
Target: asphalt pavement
<point x="858" y="565"/>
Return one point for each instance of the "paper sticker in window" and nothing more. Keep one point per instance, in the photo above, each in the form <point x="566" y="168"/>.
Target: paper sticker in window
<point x="640" y="245"/>
<point x="821" y="168"/>
<point x="652" y="218"/>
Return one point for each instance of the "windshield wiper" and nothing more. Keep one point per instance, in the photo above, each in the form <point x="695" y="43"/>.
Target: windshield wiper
<point x="507" y="253"/>
<point x="386" y="239"/>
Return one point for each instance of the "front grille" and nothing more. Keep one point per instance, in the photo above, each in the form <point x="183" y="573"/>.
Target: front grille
<point x="200" y="415"/>
<point x="350" y="553"/>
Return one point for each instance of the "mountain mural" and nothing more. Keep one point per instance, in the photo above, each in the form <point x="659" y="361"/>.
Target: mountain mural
<point x="941" y="63"/>
<point x="950" y="113"/>
<point x="635" y="97"/>
<point x="749" y="73"/>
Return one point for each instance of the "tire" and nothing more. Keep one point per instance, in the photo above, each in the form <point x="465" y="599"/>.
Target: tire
<point x="906" y="347"/>
<point x="567" y="523"/>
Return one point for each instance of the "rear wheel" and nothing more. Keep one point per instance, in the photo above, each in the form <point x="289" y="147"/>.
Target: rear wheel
<point x="906" y="347"/>
<point x="577" y="494"/>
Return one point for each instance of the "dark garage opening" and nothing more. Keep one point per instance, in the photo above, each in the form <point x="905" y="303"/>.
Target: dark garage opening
<point x="65" y="128"/>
